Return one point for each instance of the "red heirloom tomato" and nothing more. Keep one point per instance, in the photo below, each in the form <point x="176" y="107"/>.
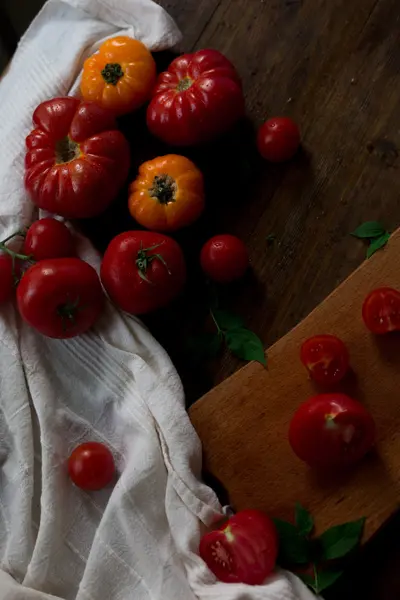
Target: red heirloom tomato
<point x="224" y="258"/>
<point x="91" y="466"/>
<point x="243" y="550"/>
<point x="48" y="238"/>
<point x="60" y="297"/>
<point x="381" y="310"/>
<point x="331" y="430"/>
<point x="142" y="271"/>
<point x="197" y="99"/>
<point x="326" y="359"/>
<point x="278" y="139"/>
<point x="6" y="278"/>
<point x="76" y="160"/>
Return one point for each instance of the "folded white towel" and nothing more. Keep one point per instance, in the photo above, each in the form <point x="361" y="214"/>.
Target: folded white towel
<point x="115" y="384"/>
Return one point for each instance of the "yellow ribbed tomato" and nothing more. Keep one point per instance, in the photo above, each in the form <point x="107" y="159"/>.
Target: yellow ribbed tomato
<point x="120" y="76"/>
<point x="168" y="193"/>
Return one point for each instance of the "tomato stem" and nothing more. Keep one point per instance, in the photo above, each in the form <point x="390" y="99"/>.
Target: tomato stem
<point x="144" y="260"/>
<point x="184" y="84"/>
<point x="163" y="189"/>
<point x="112" y="72"/>
<point x="10" y="252"/>
<point x="66" y="150"/>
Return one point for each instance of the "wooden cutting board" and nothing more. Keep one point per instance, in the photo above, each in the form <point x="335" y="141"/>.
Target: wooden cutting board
<point x="243" y="422"/>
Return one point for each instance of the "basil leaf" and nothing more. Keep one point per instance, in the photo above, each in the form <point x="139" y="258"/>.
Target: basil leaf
<point x="307" y="579"/>
<point x="245" y="344"/>
<point x="304" y="520"/>
<point x="377" y="244"/>
<point x="227" y="320"/>
<point x="205" y="345"/>
<point x="369" y="230"/>
<point x="324" y="579"/>
<point x="338" y="541"/>
<point x="293" y="547"/>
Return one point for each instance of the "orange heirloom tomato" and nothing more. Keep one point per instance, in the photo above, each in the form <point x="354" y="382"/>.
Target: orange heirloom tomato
<point x="168" y="193"/>
<point x="120" y="76"/>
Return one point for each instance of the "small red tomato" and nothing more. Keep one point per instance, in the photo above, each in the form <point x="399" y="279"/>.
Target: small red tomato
<point x="381" y="310"/>
<point x="326" y="358"/>
<point x="60" y="297"/>
<point x="49" y="238"/>
<point x="91" y="466"/>
<point x="143" y="271"/>
<point x="243" y="550"/>
<point x="278" y="139"/>
<point x="331" y="430"/>
<point x="6" y="278"/>
<point x="224" y="258"/>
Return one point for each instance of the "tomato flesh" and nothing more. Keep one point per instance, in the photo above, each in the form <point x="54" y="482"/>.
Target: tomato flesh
<point x="331" y="430"/>
<point x="381" y="310"/>
<point x="326" y="358"/>
<point x="91" y="466"/>
<point x="244" y="550"/>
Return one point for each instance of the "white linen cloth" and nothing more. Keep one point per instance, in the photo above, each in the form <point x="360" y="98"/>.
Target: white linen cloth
<point x="139" y="539"/>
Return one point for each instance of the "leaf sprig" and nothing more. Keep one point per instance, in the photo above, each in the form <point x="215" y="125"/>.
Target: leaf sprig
<point x="297" y="547"/>
<point x="375" y="233"/>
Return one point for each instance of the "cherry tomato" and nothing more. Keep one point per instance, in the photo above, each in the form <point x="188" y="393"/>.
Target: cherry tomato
<point x="143" y="271"/>
<point x="326" y="358"/>
<point x="278" y="139"/>
<point x="49" y="238"/>
<point x="198" y="98"/>
<point x="224" y="258"/>
<point x="60" y="297"/>
<point x="91" y="466"/>
<point x="6" y="278"/>
<point x="243" y="550"/>
<point x="381" y="310"/>
<point x="331" y="430"/>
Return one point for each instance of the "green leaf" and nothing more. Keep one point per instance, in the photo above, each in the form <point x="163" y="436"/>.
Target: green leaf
<point x="377" y="244"/>
<point x="307" y="579"/>
<point x="369" y="230"/>
<point x="245" y="344"/>
<point x="338" y="541"/>
<point x="205" y="345"/>
<point x="227" y="320"/>
<point x="324" y="579"/>
<point x="304" y="520"/>
<point x="293" y="547"/>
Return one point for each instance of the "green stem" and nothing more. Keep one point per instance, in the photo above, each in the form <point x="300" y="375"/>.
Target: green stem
<point x="219" y="330"/>
<point x="13" y="254"/>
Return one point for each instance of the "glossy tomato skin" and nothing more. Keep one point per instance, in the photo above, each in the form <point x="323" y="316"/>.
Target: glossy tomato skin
<point x="6" y="278"/>
<point x="76" y="159"/>
<point x="120" y="76"/>
<point x="140" y="283"/>
<point x="48" y="238"/>
<point x="167" y="194"/>
<point x="91" y="466"/>
<point x="243" y="550"/>
<point x="198" y="98"/>
<point x="60" y="297"/>
<point x="331" y="430"/>
<point x="326" y="358"/>
<point x="381" y="311"/>
<point x="278" y="139"/>
<point x="224" y="258"/>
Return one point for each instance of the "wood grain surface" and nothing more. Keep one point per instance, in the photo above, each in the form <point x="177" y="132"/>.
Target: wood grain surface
<point x="243" y="422"/>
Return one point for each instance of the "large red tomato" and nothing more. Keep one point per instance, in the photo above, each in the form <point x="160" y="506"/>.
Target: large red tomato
<point x="243" y="550"/>
<point x="331" y="430"/>
<point x="60" y="297"/>
<point x="142" y="271"/>
<point x="197" y="99"/>
<point x="76" y="160"/>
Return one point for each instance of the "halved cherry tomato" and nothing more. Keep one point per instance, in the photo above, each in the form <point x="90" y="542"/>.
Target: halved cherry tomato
<point x="91" y="466"/>
<point x="326" y="358"/>
<point x="168" y="193"/>
<point x="49" y="238"/>
<point x="243" y="550"/>
<point x="120" y="76"/>
<point x="331" y="430"/>
<point x="381" y="310"/>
